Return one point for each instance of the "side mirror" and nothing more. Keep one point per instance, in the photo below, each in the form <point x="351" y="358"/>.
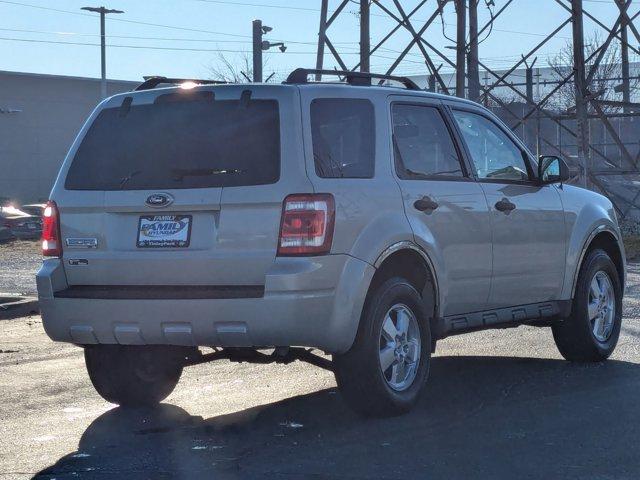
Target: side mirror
<point x="552" y="169"/>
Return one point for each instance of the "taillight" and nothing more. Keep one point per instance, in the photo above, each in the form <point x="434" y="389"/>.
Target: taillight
<point x="51" y="242"/>
<point x="307" y="223"/>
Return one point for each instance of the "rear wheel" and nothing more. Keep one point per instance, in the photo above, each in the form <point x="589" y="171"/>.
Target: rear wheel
<point x="134" y="375"/>
<point x="591" y="333"/>
<point x="384" y="371"/>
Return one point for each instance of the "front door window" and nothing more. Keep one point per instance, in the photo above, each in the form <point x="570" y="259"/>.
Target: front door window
<point x="494" y="154"/>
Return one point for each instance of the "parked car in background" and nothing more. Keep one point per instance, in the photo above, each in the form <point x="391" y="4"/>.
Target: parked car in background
<point x="36" y="209"/>
<point x="5" y="233"/>
<point x="17" y="223"/>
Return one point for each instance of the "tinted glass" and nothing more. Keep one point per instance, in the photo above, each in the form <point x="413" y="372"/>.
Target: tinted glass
<point x="494" y="154"/>
<point x="423" y="144"/>
<point x="174" y="143"/>
<point x="343" y="132"/>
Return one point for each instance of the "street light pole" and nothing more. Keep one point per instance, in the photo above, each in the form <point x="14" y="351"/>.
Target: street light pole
<point x="103" y="47"/>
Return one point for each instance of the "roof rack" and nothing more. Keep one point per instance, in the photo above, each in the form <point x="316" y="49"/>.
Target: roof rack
<point x="153" y="81"/>
<point x="300" y="76"/>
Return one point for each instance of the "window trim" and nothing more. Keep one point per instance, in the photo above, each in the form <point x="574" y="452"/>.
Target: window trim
<point x="526" y="157"/>
<point x="466" y="173"/>
<point x="375" y="135"/>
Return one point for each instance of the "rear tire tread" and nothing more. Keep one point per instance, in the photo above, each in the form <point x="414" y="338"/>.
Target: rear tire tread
<point x="113" y="370"/>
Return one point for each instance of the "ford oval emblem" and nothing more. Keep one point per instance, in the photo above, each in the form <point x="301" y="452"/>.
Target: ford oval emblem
<point x="158" y="200"/>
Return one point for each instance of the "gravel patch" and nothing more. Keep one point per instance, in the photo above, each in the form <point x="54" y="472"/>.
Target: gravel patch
<point x="19" y="262"/>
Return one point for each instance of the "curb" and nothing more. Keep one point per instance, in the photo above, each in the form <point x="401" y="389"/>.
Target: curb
<point x="17" y="306"/>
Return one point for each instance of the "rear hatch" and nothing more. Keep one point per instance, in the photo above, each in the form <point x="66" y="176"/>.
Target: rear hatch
<point x="181" y="187"/>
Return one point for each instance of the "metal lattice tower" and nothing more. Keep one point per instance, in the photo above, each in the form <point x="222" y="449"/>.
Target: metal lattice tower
<point x="609" y="170"/>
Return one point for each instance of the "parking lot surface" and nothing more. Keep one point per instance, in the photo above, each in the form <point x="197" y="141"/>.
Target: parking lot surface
<point x="19" y="261"/>
<point x="500" y="405"/>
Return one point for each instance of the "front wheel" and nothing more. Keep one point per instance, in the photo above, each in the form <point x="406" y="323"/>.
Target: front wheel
<point x="591" y="333"/>
<point x="384" y="371"/>
<point x="134" y="375"/>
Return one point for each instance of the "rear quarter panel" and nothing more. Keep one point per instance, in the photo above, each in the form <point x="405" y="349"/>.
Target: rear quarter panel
<point x="369" y="212"/>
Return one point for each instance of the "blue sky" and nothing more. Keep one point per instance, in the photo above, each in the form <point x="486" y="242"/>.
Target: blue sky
<point x="201" y="30"/>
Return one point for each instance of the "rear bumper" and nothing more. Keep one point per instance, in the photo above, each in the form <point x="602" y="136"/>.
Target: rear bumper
<point x="313" y="302"/>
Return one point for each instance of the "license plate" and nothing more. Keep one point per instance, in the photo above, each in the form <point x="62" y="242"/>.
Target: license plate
<point x="164" y="231"/>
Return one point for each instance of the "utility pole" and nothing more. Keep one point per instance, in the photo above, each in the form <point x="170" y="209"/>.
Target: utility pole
<point x="322" y="38"/>
<point x="259" y="45"/>
<point x="580" y="87"/>
<point x="472" y="56"/>
<point x="624" y="51"/>
<point x="529" y="83"/>
<point x="257" y="51"/>
<point x="529" y="80"/>
<point x="103" y="45"/>
<point x="461" y="46"/>
<point x="486" y="85"/>
<point x="538" y="143"/>
<point x="431" y="82"/>
<point x="365" y="36"/>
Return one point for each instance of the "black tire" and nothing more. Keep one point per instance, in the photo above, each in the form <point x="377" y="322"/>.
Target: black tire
<point x="133" y="376"/>
<point x="574" y="336"/>
<point x="359" y="372"/>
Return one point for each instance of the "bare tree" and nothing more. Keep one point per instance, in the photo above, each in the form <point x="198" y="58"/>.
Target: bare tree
<point x="238" y="69"/>
<point x="606" y="77"/>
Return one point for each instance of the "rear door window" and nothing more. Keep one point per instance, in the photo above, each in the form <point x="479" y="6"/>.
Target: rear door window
<point x="180" y="142"/>
<point x="422" y="143"/>
<point x="343" y="135"/>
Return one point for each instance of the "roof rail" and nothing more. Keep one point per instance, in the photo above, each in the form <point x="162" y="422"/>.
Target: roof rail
<point x="153" y="81"/>
<point x="300" y="76"/>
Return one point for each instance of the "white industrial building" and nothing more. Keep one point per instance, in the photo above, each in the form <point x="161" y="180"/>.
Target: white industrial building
<point x="39" y="118"/>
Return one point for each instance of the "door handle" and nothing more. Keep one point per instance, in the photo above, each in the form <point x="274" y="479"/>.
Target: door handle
<point x="505" y="205"/>
<point x="425" y="204"/>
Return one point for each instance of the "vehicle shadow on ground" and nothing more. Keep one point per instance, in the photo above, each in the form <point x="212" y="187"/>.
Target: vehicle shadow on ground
<point x="481" y="417"/>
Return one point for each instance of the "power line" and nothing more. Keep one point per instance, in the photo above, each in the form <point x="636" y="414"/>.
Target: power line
<point x="141" y="47"/>
<point x="247" y="4"/>
<point x="32" y="40"/>
<point x="150" y="47"/>
<point x="504" y="58"/>
<point x="132" y="37"/>
<point x="137" y="22"/>
<point x="189" y="29"/>
<point x="287" y="7"/>
<point x="174" y="27"/>
<point x="168" y="39"/>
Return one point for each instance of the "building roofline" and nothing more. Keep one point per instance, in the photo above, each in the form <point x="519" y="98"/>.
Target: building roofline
<point x="66" y="77"/>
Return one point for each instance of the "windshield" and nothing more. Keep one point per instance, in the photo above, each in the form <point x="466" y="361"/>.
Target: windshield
<point x="170" y="144"/>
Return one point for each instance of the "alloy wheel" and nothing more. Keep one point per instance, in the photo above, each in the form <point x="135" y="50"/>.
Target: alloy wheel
<point x="601" y="306"/>
<point x="400" y="345"/>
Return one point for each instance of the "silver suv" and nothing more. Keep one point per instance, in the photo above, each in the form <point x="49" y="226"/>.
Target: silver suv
<point x="361" y="220"/>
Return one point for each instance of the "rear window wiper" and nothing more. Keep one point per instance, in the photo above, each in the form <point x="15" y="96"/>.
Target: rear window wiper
<point x="180" y="173"/>
<point x="125" y="180"/>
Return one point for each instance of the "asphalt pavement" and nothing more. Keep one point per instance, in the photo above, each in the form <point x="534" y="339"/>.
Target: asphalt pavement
<point x="499" y="405"/>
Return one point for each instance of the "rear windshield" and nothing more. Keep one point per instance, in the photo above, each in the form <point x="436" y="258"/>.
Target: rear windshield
<point x="180" y="142"/>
